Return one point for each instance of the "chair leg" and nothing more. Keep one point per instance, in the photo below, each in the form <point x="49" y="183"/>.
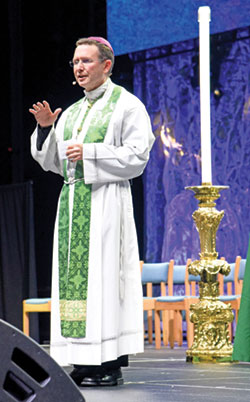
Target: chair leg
<point x="190" y="327"/>
<point x="26" y="323"/>
<point x="171" y="329"/>
<point x="157" y="329"/>
<point x="165" y="329"/>
<point x="150" y="327"/>
<point x="178" y="327"/>
<point x="230" y="331"/>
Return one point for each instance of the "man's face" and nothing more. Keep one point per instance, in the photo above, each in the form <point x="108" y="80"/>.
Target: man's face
<point x="89" y="71"/>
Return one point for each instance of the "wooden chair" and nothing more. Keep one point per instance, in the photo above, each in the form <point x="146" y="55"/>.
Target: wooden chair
<point x="227" y="290"/>
<point x="227" y="286"/>
<point x="239" y="279"/>
<point x="34" y="306"/>
<point x="192" y="295"/>
<point x="154" y="274"/>
<point x="177" y="274"/>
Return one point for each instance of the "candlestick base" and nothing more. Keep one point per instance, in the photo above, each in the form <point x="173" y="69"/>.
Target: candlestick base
<point x="210" y="316"/>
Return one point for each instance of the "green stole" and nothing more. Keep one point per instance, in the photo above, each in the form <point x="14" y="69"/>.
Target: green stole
<point x="73" y="247"/>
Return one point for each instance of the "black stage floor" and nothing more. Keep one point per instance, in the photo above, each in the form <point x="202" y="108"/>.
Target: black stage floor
<point x="164" y="375"/>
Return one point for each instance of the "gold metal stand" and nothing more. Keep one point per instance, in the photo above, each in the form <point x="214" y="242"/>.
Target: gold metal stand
<point x="210" y="316"/>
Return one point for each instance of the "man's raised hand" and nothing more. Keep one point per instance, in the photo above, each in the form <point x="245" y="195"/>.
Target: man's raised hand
<point x="43" y="114"/>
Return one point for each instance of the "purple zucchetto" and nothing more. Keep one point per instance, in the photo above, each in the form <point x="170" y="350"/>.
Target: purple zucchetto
<point x="102" y="40"/>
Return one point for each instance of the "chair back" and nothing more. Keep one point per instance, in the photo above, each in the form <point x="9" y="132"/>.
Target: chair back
<point x="231" y="279"/>
<point x="192" y="281"/>
<point x="240" y="276"/>
<point x="242" y="270"/>
<point x="194" y="278"/>
<point x="177" y="275"/>
<point x="155" y="274"/>
<point x="141" y="265"/>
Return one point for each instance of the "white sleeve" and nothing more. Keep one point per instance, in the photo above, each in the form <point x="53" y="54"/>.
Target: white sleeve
<point x="47" y="157"/>
<point x="109" y="163"/>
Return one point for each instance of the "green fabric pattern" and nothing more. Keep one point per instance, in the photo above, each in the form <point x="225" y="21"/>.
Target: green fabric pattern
<point x="241" y="349"/>
<point x="74" y="247"/>
<point x="63" y="222"/>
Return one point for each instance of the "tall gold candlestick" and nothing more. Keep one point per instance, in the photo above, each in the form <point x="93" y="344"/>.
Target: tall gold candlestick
<point x="210" y="316"/>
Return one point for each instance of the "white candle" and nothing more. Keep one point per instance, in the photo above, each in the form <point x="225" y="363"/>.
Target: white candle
<point x="204" y="59"/>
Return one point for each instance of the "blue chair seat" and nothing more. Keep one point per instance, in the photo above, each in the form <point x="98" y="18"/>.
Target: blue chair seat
<point x="34" y="305"/>
<point x="170" y="299"/>
<point x="38" y="301"/>
<point x="228" y="297"/>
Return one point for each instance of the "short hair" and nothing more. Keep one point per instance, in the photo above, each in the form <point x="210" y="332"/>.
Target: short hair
<point x="105" y="53"/>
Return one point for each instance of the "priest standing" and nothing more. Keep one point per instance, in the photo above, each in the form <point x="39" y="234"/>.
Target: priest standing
<point x="98" y="145"/>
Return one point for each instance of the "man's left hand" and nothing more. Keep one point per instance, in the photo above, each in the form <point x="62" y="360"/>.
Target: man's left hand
<point x="74" y="152"/>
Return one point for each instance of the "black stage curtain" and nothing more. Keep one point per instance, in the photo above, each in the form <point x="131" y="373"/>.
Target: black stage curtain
<point x="17" y="253"/>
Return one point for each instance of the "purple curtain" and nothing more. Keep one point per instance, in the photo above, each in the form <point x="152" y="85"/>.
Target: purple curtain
<point x="166" y="80"/>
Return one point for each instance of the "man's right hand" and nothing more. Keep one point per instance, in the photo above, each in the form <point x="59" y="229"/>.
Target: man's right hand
<point x="43" y="114"/>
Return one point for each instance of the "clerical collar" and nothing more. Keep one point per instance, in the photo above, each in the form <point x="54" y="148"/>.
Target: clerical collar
<point x="98" y="92"/>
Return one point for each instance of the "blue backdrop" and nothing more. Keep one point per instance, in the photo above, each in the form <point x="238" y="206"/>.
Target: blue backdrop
<point x="134" y="25"/>
<point x="166" y="80"/>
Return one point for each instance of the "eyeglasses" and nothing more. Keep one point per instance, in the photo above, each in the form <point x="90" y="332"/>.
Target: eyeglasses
<point x="75" y="62"/>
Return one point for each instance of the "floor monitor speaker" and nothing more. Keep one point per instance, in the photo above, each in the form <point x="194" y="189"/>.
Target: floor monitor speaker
<point x="28" y="373"/>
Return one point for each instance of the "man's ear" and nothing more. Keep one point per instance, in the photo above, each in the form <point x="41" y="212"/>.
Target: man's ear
<point x="107" y="66"/>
